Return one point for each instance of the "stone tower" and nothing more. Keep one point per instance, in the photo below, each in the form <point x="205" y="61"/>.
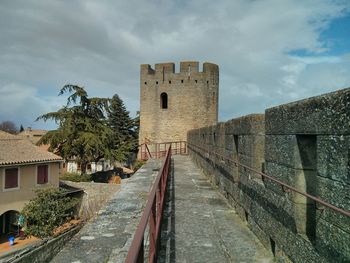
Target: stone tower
<point x="173" y="103"/>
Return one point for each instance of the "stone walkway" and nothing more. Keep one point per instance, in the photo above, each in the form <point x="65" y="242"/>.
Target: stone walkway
<point x="107" y="237"/>
<point x="201" y="226"/>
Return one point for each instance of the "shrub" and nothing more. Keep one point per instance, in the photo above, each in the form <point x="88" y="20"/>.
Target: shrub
<point x="76" y="177"/>
<point x="48" y="210"/>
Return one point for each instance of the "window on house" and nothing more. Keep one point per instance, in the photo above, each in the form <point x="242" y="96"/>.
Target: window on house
<point x="43" y="174"/>
<point x="164" y="100"/>
<point x="11" y="178"/>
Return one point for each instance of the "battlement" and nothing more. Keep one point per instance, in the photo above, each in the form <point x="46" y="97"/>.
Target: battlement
<point x="174" y="102"/>
<point x="146" y="68"/>
<point x="189" y="66"/>
<point x="185" y="68"/>
<point x="165" y="67"/>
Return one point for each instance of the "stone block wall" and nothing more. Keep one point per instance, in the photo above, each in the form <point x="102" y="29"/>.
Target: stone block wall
<point x="191" y="100"/>
<point x="305" y="144"/>
<point x="45" y="250"/>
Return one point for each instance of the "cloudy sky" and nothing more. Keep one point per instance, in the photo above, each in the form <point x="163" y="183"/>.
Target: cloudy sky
<point x="269" y="51"/>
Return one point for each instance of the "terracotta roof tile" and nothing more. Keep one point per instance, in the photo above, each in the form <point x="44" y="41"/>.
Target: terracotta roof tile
<point x="6" y="135"/>
<point x="32" y="132"/>
<point x="16" y="150"/>
<point x="33" y="135"/>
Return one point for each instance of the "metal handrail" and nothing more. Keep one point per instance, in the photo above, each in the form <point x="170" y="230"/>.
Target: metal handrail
<point x="159" y="149"/>
<point x="285" y="187"/>
<point x="146" y="151"/>
<point x="152" y="214"/>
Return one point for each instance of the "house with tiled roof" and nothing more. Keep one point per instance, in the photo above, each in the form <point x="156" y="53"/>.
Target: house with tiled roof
<point x="32" y="135"/>
<point x="24" y="168"/>
<point x="71" y="166"/>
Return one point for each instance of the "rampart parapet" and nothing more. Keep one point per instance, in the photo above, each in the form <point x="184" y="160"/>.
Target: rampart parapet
<point x="263" y="162"/>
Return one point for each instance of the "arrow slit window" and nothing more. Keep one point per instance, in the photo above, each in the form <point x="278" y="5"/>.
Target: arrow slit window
<point x="164" y="100"/>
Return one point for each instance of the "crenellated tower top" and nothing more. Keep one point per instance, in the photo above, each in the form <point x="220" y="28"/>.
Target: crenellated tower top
<point x="174" y="102"/>
<point x="186" y="67"/>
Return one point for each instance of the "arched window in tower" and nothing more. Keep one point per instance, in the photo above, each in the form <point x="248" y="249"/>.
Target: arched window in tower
<point x="164" y="100"/>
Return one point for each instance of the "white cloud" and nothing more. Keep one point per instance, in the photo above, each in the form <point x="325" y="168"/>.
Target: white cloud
<point x="22" y="105"/>
<point x="100" y="45"/>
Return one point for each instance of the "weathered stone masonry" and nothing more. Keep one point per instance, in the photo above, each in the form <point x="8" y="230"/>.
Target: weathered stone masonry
<point x="173" y="103"/>
<point x="306" y="144"/>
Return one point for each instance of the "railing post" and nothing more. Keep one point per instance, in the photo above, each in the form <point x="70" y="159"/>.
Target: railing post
<point x="159" y="150"/>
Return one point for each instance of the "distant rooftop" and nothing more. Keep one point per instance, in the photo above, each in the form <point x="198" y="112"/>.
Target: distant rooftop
<point x="33" y="135"/>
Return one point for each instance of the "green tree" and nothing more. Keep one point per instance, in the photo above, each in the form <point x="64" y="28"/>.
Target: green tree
<point x="48" y="210"/>
<point x="21" y="128"/>
<point x="136" y="126"/>
<point x="124" y="130"/>
<point x="83" y="133"/>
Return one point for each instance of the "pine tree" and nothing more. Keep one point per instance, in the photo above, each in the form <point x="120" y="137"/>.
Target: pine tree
<point x="124" y="137"/>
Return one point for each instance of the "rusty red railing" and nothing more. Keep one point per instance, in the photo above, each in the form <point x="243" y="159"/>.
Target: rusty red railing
<point x="285" y="187"/>
<point x="152" y="216"/>
<point x="144" y="152"/>
<point x="158" y="150"/>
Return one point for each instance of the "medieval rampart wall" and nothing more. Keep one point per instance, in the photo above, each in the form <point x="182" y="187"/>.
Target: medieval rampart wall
<point x="305" y="144"/>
